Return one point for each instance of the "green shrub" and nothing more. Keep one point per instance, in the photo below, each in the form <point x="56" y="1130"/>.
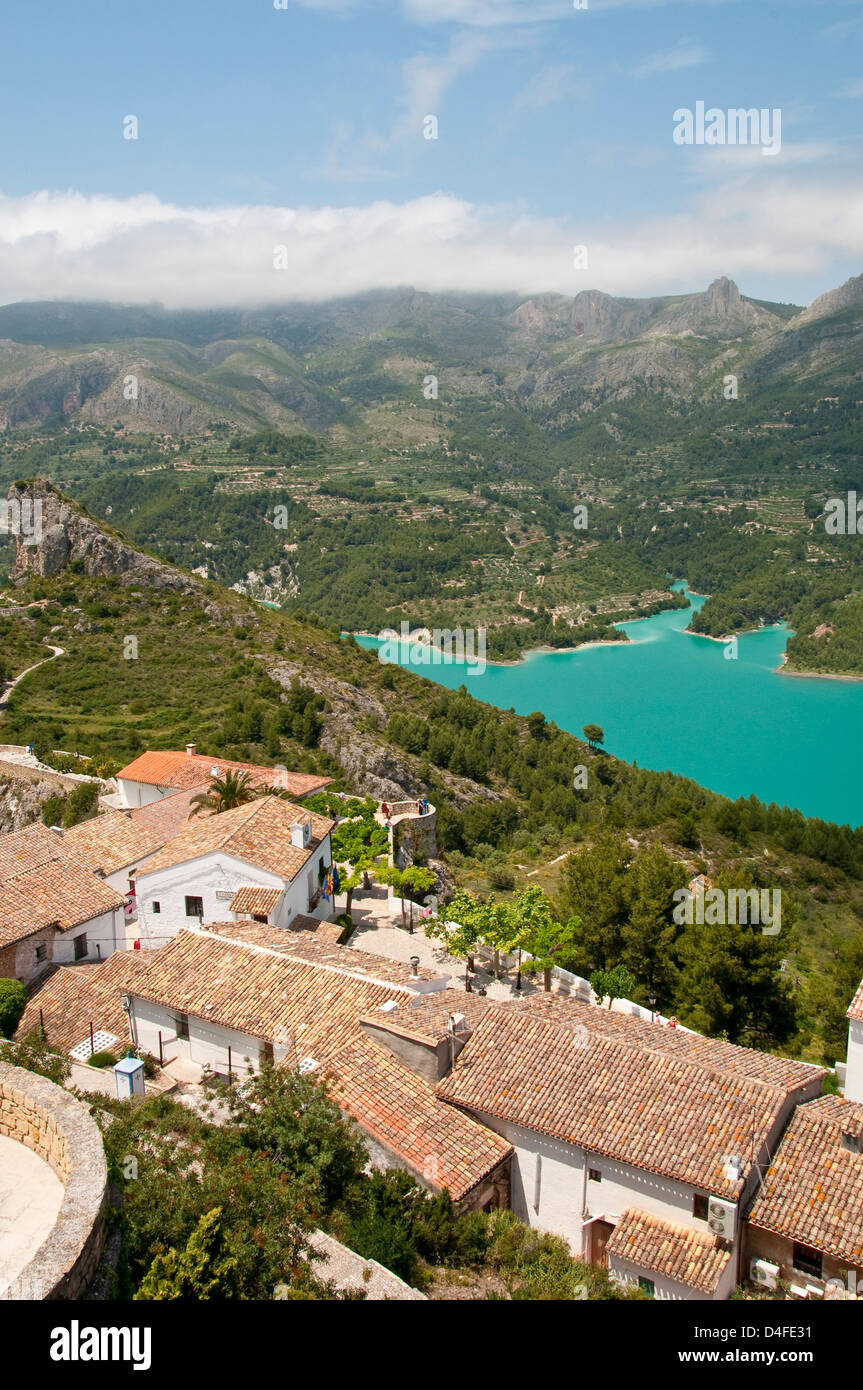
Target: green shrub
<point x="102" y="1059"/>
<point x="13" y="1002"/>
<point x="34" y="1054"/>
<point x="501" y="876"/>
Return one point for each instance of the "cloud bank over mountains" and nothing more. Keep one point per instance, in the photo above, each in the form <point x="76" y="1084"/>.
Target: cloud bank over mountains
<point x="56" y="245"/>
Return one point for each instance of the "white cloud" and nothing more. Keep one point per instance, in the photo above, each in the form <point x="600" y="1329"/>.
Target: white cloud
<point x="758" y="224"/>
<point x="427" y="77"/>
<point x="491" y="13"/>
<point x="685" y="54"/>
<point x="551" y="84"/>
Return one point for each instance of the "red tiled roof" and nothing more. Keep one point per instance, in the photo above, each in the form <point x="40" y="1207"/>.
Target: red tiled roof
<point x="258" y="833"/>
<point x="111" y="841"/>
<point x="686" y="1256"/>
<point x="61" y="892"/>
<point x="855" y="1009"/>
<point x="276" y="997"/>
<point x="813" y="1190"/>
<point x="616" y="1089"/>
<point x="168" y="816"/>
<point x="71" y="997"/>
<point x="400" y="1110"/>
<point x="254" y="899"/>
<point x="186" y="771"/>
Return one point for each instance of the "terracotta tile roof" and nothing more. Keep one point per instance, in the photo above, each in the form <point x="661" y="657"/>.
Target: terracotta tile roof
<point x="60" y="892"/>
<point x="170" y="815"/>
<point x="258" y="833"/>
<point x="261" y="992"/>
<point x="72" y="997"/>
<point x="609" y="1087"/>
<point x="427" y="1016"/>
<point x="400" y="1110"/>
<point x="110" y="842"/>
<point x="23" y="850"/>
<point x="311" y="946"/>
<point x="855" y="1009"/>
<point x="783" y="1072"/>
<point x="688" y="1257"/>
<point x="300" y="928"/>
<point x="813" y="1189"/>
<point x="185" y="771"/>
<point x="253" y="899"/>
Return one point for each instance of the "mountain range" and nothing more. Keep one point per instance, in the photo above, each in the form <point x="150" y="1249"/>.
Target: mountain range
<point x="331" y="367"/>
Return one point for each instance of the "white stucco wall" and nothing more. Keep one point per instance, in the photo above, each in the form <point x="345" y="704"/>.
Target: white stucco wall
<point x="119" y="879"/>
<point x="207" y="1042"/>
<point x="668" y="1290"/>
<point x="141" y="793"/>
<point x="105" y="935"/>
<point x="551" y="1190"/>
<point x="854" y="1069"/>
<point x="215" y="878"/>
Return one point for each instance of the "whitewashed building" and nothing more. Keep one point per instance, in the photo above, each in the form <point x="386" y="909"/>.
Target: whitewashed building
<point x="57" y="906"/>
<point x="638" y="1143"/>
<point x="268" y="846"/>
<point x="854" y="1062"/>
<point x="155" y="775"/>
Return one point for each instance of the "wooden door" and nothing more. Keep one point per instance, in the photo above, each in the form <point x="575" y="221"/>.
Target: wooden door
<point x="600" y="1235"/>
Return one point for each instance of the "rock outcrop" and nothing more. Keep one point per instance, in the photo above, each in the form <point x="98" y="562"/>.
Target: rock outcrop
<point x="56" y="533"/>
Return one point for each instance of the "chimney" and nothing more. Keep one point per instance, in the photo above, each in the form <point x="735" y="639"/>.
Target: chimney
<point x="851" y="1142"/>
<point x="415" y="966"/>
<point x="298" y="835"/>
<point x="190" y="750"/>
<point x="57" y="829"/>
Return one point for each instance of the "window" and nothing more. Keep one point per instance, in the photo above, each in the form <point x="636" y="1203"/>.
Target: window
<point x="700" y="1207"/>
<point x="81" y="946"/>
<point x="41" y="953"/>
<point x="594" y="1175"/>
<point x="807" y="1260"/>
<point x="181" y="1026"/>
<point x="157" y="907"/>
<point x="194" y="907"/>
<point x="647" y="1286"/>
<point x="259" y="917"/>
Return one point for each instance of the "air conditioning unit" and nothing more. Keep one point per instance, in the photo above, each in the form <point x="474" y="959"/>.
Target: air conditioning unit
<point x="722" y="1218"/>
<point x="764" y="1273"/>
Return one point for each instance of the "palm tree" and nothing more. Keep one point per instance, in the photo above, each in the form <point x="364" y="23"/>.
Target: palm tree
<point x="225" y="793"/>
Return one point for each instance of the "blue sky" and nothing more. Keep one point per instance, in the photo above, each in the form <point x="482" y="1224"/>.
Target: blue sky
<point x="304" y="127"/>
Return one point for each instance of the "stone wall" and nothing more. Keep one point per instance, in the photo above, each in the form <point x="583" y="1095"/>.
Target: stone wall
<point x="54" y="1125"/>
<point x="413" y="837"/>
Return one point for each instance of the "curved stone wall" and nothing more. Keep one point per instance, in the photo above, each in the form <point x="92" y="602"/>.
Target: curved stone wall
<point x="60" y="1130"/>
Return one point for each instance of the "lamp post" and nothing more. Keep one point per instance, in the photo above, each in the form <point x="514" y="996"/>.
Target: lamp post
<point x="652" y="1001"/>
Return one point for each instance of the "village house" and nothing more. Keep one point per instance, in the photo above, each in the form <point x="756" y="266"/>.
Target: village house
<point x="267" y="846"/>
<point x="155" y="775"/>
<point x="62" y="893"/>
<point x="854" y="1063"/>
<point x="638" y="1143"/>
<point x="806" y="1224"/>
<point x="208" y="991"/>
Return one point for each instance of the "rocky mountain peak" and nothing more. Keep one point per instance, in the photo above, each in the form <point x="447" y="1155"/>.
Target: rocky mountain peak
<point x="52" y="533"/>
<point x="723" y="296"/>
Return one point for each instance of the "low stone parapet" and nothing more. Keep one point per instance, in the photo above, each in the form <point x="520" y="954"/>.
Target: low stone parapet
<point x="60" y="1130"/>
